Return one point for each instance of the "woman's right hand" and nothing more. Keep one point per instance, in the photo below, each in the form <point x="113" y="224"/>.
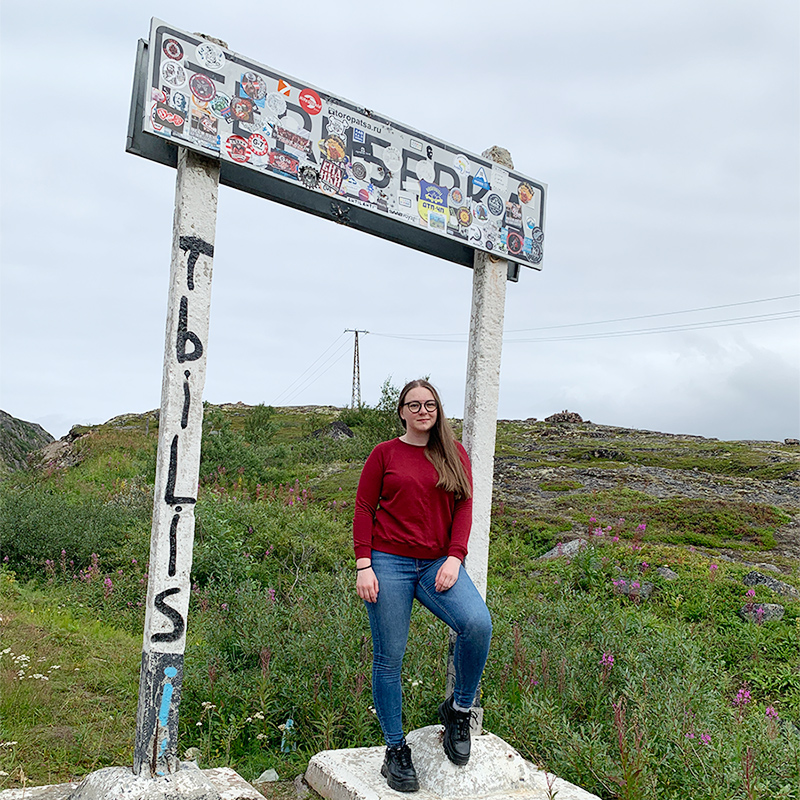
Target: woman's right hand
<point x="367" y="585"/>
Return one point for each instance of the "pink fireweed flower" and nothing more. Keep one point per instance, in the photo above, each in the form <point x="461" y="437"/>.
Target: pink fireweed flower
<point x="713" y="567"/>
<point x="705" y="738"/>
<point x="690" y="735"/>
<point x="641" y="528"/>
<point x="742" y="697"/>
<point x="108" y="587"/>
<point x="607" y="660"/>
<point x="770" y="713"/>
<point x="751" y="592"/>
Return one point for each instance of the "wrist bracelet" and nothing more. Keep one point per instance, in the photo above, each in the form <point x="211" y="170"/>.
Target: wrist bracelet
<point x="359" y="569"/>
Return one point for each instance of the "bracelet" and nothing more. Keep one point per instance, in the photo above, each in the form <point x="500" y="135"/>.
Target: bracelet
<point x="359" y="569"/>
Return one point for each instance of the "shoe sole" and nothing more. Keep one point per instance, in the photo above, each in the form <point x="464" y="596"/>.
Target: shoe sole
<point x="454" y="758"/>
<point x="399" y="786"/>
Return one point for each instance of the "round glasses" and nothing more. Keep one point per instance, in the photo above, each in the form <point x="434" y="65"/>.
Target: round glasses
<point x="415" y="406"/>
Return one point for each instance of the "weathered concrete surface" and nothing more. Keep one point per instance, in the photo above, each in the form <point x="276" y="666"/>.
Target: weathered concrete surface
<point x="495" y="772"/>
<point x="119" y="783"/>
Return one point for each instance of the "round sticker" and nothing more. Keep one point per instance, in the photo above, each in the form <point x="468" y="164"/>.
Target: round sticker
<point x="202" y="87"/>
<point x="254" y="86"/>
<point x="537" y="235"/>
<point x="210" y="56"/>
<point x="456" y="196"/>
<point x="495" y="204"/>
<point x="333" y="148"/>
<point x="242" y="108"/>
<point x="536" y="253"/>
<point x="179" y="101"/>
<point x="481" y="214"/>
<point x="220" y="104"/>
<point x="514" y="243"/>
<point x="489" y="244"/>
<point x="425" y="171"/>
<point x="158" y="95"/>
<point x="238" y="149"/>
<point x="258" y="144"/>
<point x="393" y="158"/>
<point x="363" y="194"/>
<point x="173" y="74"/>
<point x="461" y="165"/>
<point x="525" y="193"/>
<point x="173" y="49"/>
<point x="359" y="171"/>
<point x="310" y="177"/>
<point x="276" y="103"/>
<point x="310" y="101"/>
<point x="464" y="217"/>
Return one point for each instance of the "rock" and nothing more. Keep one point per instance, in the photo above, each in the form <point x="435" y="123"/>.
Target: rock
<point x="769" y="567"/>
<point x="667" y="574"/>
<point x="301" y="788"/>
<point x="564" y="549"/>
<point x="794" y="442"/>
<point x="779" y="587"/>
<point x="18" y="439"/>
<point x="564" y="416"/>
<point x="268" y="776"/>
<point x="336" y="430"/>
<point x="635" y="590"/>
<point x="761" y="612"/>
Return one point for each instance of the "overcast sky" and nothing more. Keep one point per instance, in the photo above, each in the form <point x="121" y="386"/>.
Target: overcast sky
<point x="667" y="133"/>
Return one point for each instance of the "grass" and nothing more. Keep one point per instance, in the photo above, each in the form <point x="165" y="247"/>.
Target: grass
<point x="625" y="697"/>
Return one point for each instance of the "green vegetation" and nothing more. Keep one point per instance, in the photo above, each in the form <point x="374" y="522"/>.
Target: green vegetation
<point x="669" y="697"/>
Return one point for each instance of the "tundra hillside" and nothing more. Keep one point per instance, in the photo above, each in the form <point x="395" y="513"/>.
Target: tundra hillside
<point x="644" y="590"/>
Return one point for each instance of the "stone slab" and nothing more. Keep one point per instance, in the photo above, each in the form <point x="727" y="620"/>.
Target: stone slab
<point x="495" y="772"/>
<point x="120" y="783"/>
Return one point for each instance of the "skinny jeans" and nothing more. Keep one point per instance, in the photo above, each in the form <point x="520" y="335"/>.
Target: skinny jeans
<point x="400" y="580"/>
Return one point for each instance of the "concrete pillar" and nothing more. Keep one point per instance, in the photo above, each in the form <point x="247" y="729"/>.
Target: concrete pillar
<point x="489" y="277"/>
<point x="177" y="466"/>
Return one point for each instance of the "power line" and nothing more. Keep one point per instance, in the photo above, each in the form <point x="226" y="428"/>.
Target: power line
<point x="299" y="378"/>
<point x="459" y="337"/>
<point x="723" y="323"/>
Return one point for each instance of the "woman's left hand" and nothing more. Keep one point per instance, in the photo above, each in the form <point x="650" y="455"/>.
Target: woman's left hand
<point x="447" y="574"/>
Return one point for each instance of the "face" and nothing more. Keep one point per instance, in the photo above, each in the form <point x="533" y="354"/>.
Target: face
<point x="423" y="420"/>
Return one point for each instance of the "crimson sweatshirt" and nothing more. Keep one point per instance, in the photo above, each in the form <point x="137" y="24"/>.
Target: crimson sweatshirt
<point x="400" y="510"/>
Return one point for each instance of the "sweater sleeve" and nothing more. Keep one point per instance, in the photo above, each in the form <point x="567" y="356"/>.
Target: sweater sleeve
<point x="367" y="497"/>
<point x="462" y="515"/>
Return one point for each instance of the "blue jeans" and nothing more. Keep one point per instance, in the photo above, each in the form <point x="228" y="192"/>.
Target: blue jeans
<point x="400" y="580"/>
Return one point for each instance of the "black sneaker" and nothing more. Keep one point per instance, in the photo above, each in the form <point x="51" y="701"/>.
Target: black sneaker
<point x="456" y="739"/>
<point x="398" y="769"/>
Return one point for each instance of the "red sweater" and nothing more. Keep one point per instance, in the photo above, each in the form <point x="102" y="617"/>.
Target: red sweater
<point x="400" y="510"/>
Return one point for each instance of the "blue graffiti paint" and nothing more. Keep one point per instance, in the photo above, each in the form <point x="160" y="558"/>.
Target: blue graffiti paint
<point x="166" y="698"/>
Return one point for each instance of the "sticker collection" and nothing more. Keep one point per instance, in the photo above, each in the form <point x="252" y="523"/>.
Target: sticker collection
<point x="209" y="99"/>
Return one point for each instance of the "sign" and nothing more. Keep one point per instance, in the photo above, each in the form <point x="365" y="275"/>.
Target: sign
<point x="199" y="95"/>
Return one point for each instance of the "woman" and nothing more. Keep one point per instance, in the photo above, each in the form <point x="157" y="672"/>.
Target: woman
<point x="412" y="522"/>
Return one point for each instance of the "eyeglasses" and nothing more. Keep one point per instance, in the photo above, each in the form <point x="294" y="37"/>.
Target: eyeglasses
<point x="415" y="406"/>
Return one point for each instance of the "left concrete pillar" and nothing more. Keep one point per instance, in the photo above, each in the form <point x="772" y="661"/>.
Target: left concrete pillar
<point x="178" y="465"/>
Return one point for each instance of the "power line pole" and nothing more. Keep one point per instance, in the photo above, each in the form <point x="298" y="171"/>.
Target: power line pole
<point x="356" y="397"/>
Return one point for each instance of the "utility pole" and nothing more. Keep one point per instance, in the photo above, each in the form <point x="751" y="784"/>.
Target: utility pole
<point x="356" y="396"/>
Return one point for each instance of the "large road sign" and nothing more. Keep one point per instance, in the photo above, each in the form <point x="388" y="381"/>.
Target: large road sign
<point x="285" y="139"/>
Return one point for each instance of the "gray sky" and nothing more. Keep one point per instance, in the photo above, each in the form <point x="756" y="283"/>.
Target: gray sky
<point x="667" y="133"/>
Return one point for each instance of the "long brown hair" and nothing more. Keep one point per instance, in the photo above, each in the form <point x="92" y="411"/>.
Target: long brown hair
<point x="441" y="448"/>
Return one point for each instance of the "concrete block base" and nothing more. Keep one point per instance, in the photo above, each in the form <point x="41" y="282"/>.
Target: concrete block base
<point x="495" y="772"/>
<point x="121" y="784"/>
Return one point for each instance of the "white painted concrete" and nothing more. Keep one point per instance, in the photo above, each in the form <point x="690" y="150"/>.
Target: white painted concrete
<point x="483" y="391"/>
<point x="495" y="772"/>
<point x="119" y="783"/>
<point x="177" y="464"/>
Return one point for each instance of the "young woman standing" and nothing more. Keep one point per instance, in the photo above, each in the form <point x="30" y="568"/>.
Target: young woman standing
<point x="411" y="527"/>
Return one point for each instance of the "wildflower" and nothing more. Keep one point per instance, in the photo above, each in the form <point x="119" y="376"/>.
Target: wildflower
<point x="635" y="585"/>
<point x="771" y="713"/>
<point x="615" y="538"/>
<point x="713" y="568"/>
<point x="271" y="593"/>
<point x="261" y="736"/>
<point x="690" y="735"/>
<point x="108" y="587"/>
<point x="645" y="565"/>
<point x="751" y="592"/>
<point x="759" y="615"/>
<point x="607" y="660"/>
<point x="641" y="528"/>
<point x="742" y="698"/>
<point x="705" y="738"/>
<point x="198" y="724"/>
<point x="224" y="606"/>
<point x="258" y="715"/>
